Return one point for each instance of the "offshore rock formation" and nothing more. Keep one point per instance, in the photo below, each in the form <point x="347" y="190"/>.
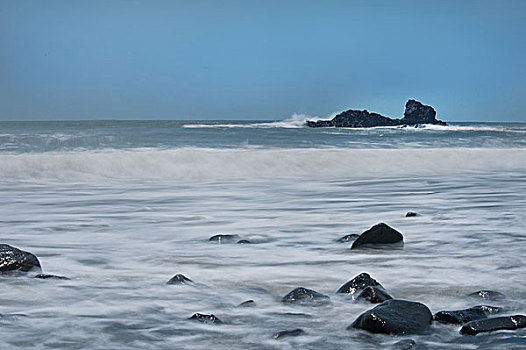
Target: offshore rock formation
<point x="415" y="113"/>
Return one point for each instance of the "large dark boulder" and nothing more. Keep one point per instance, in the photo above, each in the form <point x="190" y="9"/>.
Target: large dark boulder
<point x="379" y="236"/>
<point x="374" y="295"/>
<point x="494" y="324"/>
<point x="14" y="260"/>
<point x="460" y="316"/>
<point x="395" y="317"/>
<point x="415" y="113"/>
<point x="358" y="283"/>
<point x="305" y="296"/>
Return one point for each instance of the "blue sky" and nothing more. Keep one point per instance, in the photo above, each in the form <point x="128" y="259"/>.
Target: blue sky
<point x="68" y="60"/>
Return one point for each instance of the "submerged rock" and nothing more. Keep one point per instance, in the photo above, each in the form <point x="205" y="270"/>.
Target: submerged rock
<point x="248" y="303"/>
<point x="243" y="241"/>
<point x="460" y="316"/>
<point x="210" y="319"/>
<point x="180" y="279"/>
<point x="395" y="317"/>
<point x="379" y="236"/>
<point x="405" y="344"/>
<point x="487" y="295"/>
<point x="488" y="310"/>
<point x="415" y="113"/>
<point x="348" y="238"/>
<point x="374" y="295"/>
<point x="225" y="238"/>
<point x="54" y="277"/>
<point x="305" y="296"/>
<point x="358" y="283"/>
<point x="14" y="260"/>
<point x="291" y="333"/>
<point x="494" y="324"/>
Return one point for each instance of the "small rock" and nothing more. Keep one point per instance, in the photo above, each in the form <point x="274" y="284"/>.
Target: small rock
<point x="248" y="303"/>
<point x="460" y="316"/>
<point x="358" y="283"/>
<point x="488" y="310"/>
<point x="405" y="344"/>
<point x="410" y="214"/>
<point x="494" y="324"/>
<point x="395" y="317"/>
<point x="224" y="238"/>
<point x="487" y="295"/>
<point x="180" y="279"/>
<point x="374" y="294"/>
<point x="243" y="241"/>
<point x="348" y="238"/>
<point x="379" y="236"/>
<point x="13" y="260"/>
<point x="209" y="319"/>
<point x="302" y="295"/>
<point x="55" y="277"/>
<point x="291" y="333"/>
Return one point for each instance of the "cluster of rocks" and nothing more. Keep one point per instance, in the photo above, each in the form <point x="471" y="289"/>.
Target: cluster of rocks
<point x="415" y="114"/>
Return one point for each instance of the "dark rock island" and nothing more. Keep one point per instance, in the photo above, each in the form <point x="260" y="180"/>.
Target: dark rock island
<point x="415" y="113"/>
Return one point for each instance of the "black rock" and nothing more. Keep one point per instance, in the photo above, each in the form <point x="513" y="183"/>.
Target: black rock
<point x="291" y="333"/>
<point x="494" y="324"/>
<point x="14" y="260"/>
<point x="374" y="295"/>
<point x="410" y="214"/>
<point x="405" y="344"/>
<point x="379" y="236"/>
<point x="487" y="295"/>
<point x="358" y="283"/>
<point x="460" y="316"/>
<point x="54" y="277"/>
<point x="488" y="310"/>
<point x="248" y="303"/>
<point x="395" y="317"/>
<point x="415" y="113"/>
<point x="348" y="238"/>
<point x="302" y="295"/>
<point x="224" y="238"/>
<point x="180" y="279"/>
<point x="206" y="318"/>
<point x="243" y="241"/>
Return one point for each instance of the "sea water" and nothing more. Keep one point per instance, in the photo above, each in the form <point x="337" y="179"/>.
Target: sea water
<point x="120" y="207"/>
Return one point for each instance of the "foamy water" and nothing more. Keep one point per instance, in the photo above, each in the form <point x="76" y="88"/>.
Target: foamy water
<point x="121" y="208"/>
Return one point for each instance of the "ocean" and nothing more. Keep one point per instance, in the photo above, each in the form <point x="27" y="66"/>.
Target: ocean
<point x="120" y="207"/>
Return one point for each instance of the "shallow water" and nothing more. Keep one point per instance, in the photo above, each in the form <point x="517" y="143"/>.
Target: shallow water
<point x="120" y="231"/>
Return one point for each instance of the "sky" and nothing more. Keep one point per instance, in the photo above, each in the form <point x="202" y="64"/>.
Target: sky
<point x="260" y="60"/>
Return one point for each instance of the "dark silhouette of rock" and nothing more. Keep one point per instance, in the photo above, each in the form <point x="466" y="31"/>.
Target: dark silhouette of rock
<point x="53" y="277"/>
<point x="410" y="214"/>
<point x="210" y="319"/>
<point x="487" y="295"/>
<point x="395" y="317"/>
<point x="494" y="324"/>
<point x="305" y="296"/>
<point x="224" y="238"/>
<point x="291" y="333"/>
<point x="415" y="113"/>
<point x="379" y="236"/>
<point x="243" y="241"/>
<point x="460" y="316"/>
<point x="374" y="295"/>
<point x="358" y="283"/>
<point x="248" y="303"/>
<point x="180" y="279"/>
<point x="348" y="238"/>
<point x="14" y="260"/>
<point x="405" y="344"/>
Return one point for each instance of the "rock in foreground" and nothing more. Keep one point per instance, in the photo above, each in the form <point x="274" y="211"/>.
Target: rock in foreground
<point x="494" y="324"/>
<point x="13" y="260"/>
<point x="415" y="113"/>
<point x="358" y="283"/>
<point x="395" y="317"/>
<point x="379" y="236"/>
<point x="305" y="296"/>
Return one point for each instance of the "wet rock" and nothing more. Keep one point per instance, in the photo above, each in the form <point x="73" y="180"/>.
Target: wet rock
<point x="410" y="214"/>
<point x="348" y="238"/>
<point x="224" y="238"/>
<point x="460" y="316"/>
<point x="248" y="303"/>
<point x="291" y="333"/>
<point x="379" y="236"/>
<point x="488" y="310"/>
<point x="487" y="295"/>
<point x="374" y="295"/>
<point x="243" y="241"/>
<point x="180" y="279"/>
<point x="54" y="277"/>
<point x="418" y="113"/>
<point x="358" y="283"/>
<point x="14" y="260"/>
<point x="209" y="319"/>
<point x="305" y="296"/>
<point x="405" y="344"/>
<point x="395" y="317"/>
<point x="494" y="324"/>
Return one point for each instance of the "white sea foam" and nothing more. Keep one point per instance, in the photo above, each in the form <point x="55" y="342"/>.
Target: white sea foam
<point x="202" y="163"/>
<point x="297" y="120"/>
